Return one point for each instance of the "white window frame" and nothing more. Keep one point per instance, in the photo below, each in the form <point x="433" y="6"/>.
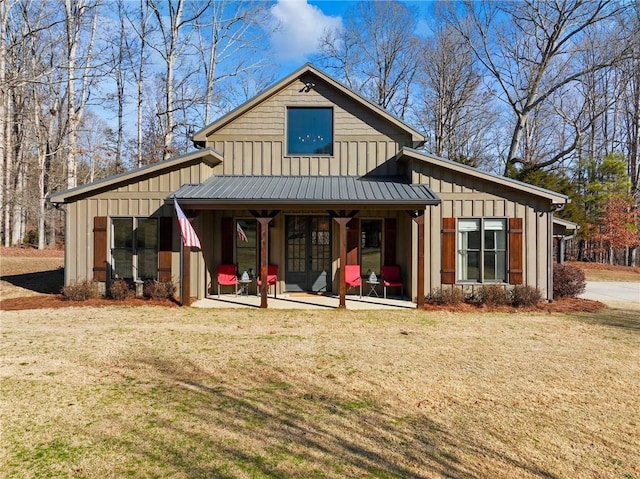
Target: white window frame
<point x="134" y="245"/>
<point x="484" y="224"/>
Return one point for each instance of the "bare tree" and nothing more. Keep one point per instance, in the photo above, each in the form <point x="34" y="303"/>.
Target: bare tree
<point x="226" y="38"/>
<point x="171" y="25"/>
<point x="452" y="105"/>
<point x="79" y="68"/>
<point x="529" y="48"/>
<point x="376" y="53"/>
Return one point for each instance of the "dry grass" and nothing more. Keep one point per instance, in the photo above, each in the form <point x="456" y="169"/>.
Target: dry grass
<point x="606" y="272"/>
<point x="186" y="393"/>
<point x="29" y="275"/>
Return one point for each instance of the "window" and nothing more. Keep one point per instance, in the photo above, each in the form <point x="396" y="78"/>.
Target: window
<point x="246" y="246"/>
<point x="134" y="251"/>
<point x="482" y="250"/>
<point x="371" y="246"/>
<point x="309" y="131"/>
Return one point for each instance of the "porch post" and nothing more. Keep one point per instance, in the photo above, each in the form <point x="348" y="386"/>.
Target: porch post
<point x="419" y="219"/>
<point x="264" y="258"/>
<point x="342" y="222"/>
<point x="186" y="275"/>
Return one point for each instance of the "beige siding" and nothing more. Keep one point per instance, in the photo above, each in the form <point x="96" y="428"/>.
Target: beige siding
<point x="142" y="198"/>
<point x="467" y="196"/>
<point x="255" y="143"/>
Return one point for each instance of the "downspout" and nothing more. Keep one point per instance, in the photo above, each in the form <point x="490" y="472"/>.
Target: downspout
<point x="554" y="207"/>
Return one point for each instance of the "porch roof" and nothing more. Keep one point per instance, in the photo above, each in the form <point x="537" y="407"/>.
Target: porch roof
<point x="343" y="191"/>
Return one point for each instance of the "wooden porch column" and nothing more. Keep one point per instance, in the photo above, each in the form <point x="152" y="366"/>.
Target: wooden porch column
<point x="264" y="258"/>
<point x="419" y="220"/>
<point x="186" y="276"/>
<point x="342" y="222"/>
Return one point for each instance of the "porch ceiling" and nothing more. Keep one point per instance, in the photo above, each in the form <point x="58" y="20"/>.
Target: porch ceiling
<point x="307" y="191"/>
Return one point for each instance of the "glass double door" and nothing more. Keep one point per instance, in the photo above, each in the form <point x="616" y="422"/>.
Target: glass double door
<point x="308" y="252"/>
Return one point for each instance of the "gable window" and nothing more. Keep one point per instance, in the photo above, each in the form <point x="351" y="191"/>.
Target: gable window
<point x="310" y="131"/>
<point x="134" y="248"/>
<point x="371" y="246"/>
<point x="482" y="250"/>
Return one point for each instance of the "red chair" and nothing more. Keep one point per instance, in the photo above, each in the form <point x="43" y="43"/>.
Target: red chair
<point x="227" y="277"/>
<point x="391" y="278"/>
<point x="272" y="279"/>
<point x="352" y="276"/>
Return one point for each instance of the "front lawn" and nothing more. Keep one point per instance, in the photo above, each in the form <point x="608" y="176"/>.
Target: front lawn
<point x="186" y="393"/>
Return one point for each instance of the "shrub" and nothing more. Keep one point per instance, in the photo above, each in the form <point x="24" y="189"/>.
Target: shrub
<point x="524" y="296"/>
<point x="81" y="290"/>
<point x="159" y="289"/>
<point x="120" y="290"/>
<point x="444" y="295"/>
<point x="493" y="295"/>
<point x="568" y="281"/>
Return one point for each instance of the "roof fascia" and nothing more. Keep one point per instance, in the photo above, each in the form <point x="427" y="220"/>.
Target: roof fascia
<point x="206" y="155"/>
<point x="555" y="198"/>
<point x="200" y="137"/>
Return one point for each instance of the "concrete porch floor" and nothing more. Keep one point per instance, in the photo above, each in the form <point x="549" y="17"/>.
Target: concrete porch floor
<point x="304" y="301"/>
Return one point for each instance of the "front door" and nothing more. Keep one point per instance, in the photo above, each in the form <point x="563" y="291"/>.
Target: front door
<point x="308" y="253"/>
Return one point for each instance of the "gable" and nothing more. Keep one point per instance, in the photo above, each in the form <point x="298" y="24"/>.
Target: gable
<point x="264" y="114"/>
<point x="158" y="178"/>
<point x="447" y="177"/>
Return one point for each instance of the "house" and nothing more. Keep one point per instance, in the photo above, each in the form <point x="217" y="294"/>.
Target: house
<point x="313" y="177"/>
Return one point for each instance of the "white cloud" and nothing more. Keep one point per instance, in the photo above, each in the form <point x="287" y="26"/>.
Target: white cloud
<point x="299" y="27"/>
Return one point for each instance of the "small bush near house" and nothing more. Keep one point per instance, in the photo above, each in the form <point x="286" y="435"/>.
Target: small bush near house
<point x="159" y="289"/>
<point x="492" y="295"/>
<point x="524" y="296"/>
<point x="446" y="295"/>
<point x="120" y="290"/>
<point x="568" y="281"/>
<point x="81" y="291"/>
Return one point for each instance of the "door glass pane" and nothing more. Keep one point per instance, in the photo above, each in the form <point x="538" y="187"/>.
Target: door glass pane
<point x="296" y="244"/>
<point x="320" y="243"/>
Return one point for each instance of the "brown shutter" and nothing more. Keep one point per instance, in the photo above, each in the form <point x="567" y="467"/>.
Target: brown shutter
<point x="226" y="236"/>
<point x="390" y="241"/>
<point x="448" y="259"/>
<point x="100" y="248"/>
<point x="515" y="250"/>
<point x="353" y="241"/>
<point x="165" y="248"/>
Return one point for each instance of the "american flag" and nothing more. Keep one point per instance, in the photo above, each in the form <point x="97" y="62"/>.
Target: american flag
<point x="241" y="235"/>
<point x="189" y="236"/>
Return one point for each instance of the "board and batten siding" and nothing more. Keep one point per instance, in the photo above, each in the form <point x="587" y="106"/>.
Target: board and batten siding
<point x="255" y="143"/>
<point x="467" y="196"/>
<point x="142" y="198"/>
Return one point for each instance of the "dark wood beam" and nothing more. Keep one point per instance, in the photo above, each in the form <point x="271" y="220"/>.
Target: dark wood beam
<point x="419" y="220"/>
<point x="185" y="294"/>
<point x="342" y="222"/>
<point x="264" y="258"/>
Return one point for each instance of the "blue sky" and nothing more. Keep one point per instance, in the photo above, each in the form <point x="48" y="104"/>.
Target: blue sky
<point x="301" y="22"/>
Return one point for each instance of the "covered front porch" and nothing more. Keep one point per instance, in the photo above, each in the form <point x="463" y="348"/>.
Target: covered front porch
<point x="311" y="230"/>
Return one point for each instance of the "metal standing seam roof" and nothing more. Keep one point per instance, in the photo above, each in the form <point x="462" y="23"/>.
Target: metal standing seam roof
<point x="301" y="190"/>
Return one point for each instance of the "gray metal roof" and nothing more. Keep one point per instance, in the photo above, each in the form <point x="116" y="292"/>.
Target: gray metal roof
<point x="307" y="190"/>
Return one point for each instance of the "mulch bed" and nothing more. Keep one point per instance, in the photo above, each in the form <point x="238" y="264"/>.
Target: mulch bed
<point x="55" y="301"/>
<point x="561" y="305"/>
